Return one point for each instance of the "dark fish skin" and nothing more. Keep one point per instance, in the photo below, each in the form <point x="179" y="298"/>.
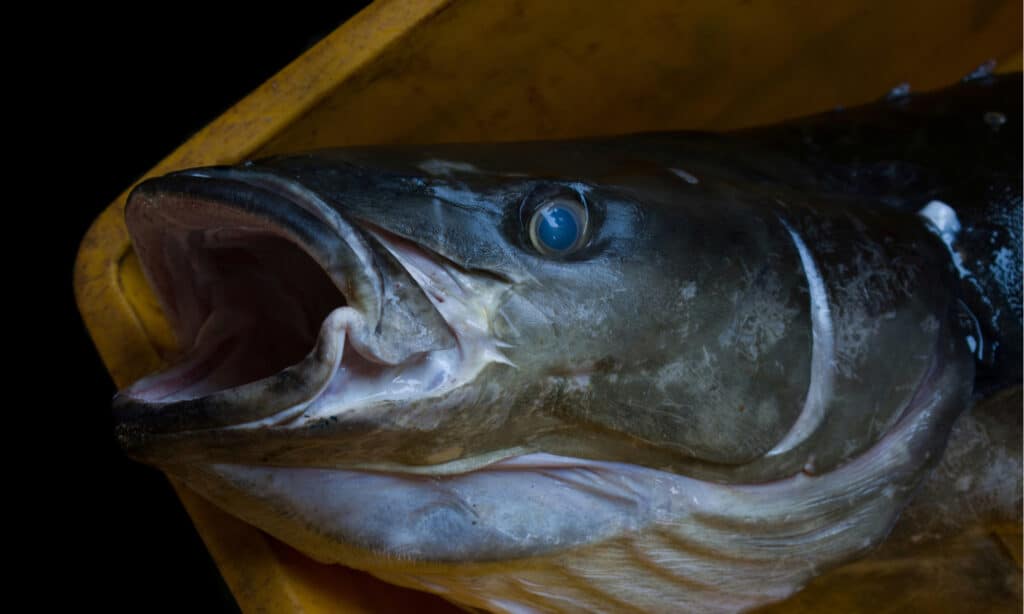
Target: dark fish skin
<point x="803" y="309"/>
<point x="901" y="154"/>
<point x="959" y="146"/>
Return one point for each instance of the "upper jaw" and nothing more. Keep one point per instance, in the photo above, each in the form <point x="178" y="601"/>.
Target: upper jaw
<point x="249" y="264"/>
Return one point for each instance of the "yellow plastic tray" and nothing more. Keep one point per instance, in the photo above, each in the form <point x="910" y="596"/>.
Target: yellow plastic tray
<point x="476" y="70"/>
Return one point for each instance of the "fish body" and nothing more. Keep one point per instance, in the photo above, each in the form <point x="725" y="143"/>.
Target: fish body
<point x="657" y="371"/>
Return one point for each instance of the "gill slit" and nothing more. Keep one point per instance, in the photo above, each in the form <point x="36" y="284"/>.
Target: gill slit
<point x="819" y="390"/>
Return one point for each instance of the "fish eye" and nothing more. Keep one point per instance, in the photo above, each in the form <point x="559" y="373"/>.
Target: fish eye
<point x="558" y="227"/>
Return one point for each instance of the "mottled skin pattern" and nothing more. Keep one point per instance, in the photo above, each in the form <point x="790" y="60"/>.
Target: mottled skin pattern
<point x="760" y="324"/>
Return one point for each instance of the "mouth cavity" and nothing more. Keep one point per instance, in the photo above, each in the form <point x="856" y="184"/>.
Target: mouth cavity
<point x="246" y="302"/>
<point x="279" y="315"/>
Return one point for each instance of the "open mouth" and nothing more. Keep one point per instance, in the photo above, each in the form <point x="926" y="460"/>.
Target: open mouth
<point x="284" y="312"/>
<point x="246" y="302"/>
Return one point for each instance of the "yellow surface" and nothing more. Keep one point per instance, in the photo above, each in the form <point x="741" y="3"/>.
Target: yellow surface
<point x="447" y="70"/>
<point x="972" y="572"/>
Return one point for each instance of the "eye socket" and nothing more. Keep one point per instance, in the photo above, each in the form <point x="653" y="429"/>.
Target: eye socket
<point x="558" y="227"/>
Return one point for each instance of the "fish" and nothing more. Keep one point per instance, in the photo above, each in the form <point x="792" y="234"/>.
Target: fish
<point x="680" y="371"/>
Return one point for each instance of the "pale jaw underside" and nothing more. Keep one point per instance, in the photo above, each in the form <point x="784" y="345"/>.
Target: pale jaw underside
<point x="546" y="533"/>
<point x="530" y="532"/>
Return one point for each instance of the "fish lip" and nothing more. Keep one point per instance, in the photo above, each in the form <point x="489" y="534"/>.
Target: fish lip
<point x="138" y="420"/>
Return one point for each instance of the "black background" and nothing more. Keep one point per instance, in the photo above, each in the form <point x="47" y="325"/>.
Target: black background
<point x="99" y="99"/>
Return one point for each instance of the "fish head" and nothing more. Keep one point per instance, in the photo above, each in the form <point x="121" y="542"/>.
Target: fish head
<point x="410" y="308"/>
<point x="408" y="358"/>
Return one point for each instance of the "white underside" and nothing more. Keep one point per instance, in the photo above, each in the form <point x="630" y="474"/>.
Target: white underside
<point x="554" y="534"/>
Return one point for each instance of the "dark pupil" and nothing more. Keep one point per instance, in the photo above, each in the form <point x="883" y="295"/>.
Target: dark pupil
<point x="557" y="228"/>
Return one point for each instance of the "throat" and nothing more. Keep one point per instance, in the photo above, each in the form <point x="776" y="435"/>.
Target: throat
<point x="245" y="302"/>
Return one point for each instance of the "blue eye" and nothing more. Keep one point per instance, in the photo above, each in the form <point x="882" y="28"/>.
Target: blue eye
<point x="558" y="227"/>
